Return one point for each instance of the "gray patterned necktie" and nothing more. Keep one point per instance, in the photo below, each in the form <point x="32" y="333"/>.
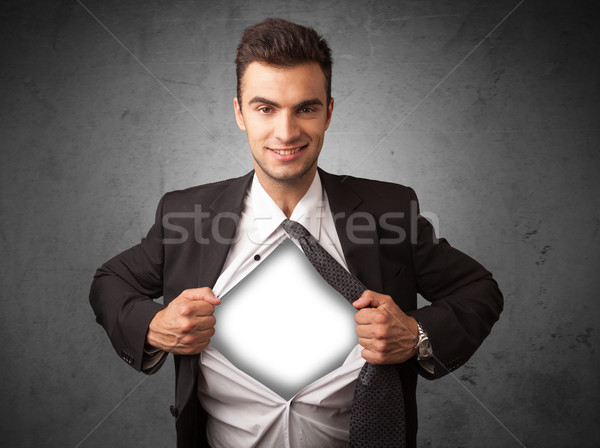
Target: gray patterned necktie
<point x="377" y="419"/>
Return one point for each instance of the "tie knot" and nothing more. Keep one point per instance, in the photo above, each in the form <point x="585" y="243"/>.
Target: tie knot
<point x="294" y="229"/>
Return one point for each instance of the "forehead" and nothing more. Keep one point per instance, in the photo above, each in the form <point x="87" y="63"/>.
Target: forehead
<point x="284" y="84"/>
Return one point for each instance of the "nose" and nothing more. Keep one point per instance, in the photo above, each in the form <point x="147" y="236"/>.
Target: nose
<point x="286" y="128"/>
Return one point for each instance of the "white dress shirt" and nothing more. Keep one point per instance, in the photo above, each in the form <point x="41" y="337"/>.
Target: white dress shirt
<point x="242" y="412"/>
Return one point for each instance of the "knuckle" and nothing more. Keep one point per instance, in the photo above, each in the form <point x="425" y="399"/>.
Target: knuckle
<point x="186" y="340"/>
<point x="377" y="358"/>
<point x="380" y="346"/>
<point x="380" y="332"/>
<point x="206" y="308"/>
<point x="381" y="318"/>
<point x="205" y="323"/>
<point x="187" y="351"/>
<point x="365" y="354"/>
<point x="187" y="326"/>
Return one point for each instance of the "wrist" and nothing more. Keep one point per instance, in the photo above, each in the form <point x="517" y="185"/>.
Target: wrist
<point x="152" y="341"/>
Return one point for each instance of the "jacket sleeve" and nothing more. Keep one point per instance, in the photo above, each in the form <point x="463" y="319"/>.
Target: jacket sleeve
<point x="122" y="294"/>
<point x="465" y="299"/>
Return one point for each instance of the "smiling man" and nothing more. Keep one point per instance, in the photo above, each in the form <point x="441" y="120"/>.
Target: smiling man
<point x="370" y="228"/>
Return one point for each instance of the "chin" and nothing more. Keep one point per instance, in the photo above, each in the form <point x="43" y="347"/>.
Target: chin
<point x="296" y="176"/>
<point x="286" y="178"/>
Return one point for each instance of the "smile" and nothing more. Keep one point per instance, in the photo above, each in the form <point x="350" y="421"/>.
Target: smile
<point x="286" y="152"/>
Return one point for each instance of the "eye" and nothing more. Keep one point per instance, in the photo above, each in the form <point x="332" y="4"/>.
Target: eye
<point x="306" y="110"/>
<point x="264" y="109"/>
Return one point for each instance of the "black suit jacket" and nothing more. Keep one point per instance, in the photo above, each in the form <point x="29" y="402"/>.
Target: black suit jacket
<point x="386" y="244"/>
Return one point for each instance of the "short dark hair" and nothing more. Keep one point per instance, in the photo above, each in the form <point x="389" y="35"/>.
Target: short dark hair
<point x="280" y="43"/>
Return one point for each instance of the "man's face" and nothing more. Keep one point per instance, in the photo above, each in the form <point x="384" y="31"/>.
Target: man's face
<point x="285" y="114"/>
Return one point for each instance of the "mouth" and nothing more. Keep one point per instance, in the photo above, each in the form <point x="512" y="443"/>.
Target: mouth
<point x="288" y="151"/>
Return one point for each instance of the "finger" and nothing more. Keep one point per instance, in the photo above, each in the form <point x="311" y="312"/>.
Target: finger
<point x="200" y="324"/>
<point x="201" y="294"/>
<point x="376" y="332"/>
<point x="366" y="316"/>
<point x="370" y="316"/>
<point x="372" y="357"/>
<point x="191" y="346"/>
<point x="375" y="346"/>
<point x="191" y="309"/>
<point x="365" y="334"/>
<point x="371" y="298"/>
<point x="196" y="338"/>
<point x="366" y="299"/>
<point x="213" y="300"/>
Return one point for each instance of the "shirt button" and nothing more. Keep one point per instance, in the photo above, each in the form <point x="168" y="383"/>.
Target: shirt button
<point x="256" y="257"/>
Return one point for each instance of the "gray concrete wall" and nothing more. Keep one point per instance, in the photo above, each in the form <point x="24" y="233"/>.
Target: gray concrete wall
<point x="106" y="105"/>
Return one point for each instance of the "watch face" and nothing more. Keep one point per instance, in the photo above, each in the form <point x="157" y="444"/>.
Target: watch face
<point x="425" y="349"/>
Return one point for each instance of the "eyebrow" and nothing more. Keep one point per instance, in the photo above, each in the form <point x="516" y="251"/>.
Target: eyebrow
<point x="305" y="103"/>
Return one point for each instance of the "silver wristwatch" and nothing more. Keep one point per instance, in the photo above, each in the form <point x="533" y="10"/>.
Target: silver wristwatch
<point x="424" y="350"/>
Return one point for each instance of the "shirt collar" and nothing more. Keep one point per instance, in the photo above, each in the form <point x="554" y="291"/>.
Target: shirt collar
<point x="309" y="210"/>
<point x="268" y="216"/>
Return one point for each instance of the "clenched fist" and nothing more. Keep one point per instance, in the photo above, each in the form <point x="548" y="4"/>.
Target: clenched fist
<point x="387" y="334"/>
<point x="186" y="325"/>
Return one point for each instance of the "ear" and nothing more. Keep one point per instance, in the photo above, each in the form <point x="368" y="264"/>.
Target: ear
<point x="329" y="113"/>
<point x="239" y="118"/>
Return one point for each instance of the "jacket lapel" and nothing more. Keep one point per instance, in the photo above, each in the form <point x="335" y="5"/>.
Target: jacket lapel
<point x="359" y="241"/>
<point x="219" y="229"/>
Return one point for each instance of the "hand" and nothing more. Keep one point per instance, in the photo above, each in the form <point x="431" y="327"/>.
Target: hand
<point x="186" y="325"/>
<point x="386" y="333"/>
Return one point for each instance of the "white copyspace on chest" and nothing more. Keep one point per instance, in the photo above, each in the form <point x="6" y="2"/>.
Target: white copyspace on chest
<point x="283" y="324"/>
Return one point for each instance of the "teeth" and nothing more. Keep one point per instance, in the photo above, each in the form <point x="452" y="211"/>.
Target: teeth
<point x="286" y="152"/>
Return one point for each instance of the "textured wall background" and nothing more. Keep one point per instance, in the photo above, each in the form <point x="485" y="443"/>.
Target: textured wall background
<point x="494" y="122"/>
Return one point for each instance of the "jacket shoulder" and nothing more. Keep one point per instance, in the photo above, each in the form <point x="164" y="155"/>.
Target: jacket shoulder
<point x="206" y="194"/>
<point x="373" y="191"/>
<point x="377" y="185"/>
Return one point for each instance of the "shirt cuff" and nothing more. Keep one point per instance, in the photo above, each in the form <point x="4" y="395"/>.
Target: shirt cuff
<point x="152" y="356"/>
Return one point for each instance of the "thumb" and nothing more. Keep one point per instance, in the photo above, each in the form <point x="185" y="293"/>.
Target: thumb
<point x="205" y="294"/>
<point x="370" y="298"/>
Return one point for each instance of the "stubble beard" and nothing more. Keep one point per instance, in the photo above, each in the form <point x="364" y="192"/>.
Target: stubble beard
<point x="290" y="180"/>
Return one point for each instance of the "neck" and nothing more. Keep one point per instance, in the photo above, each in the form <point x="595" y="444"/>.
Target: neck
<point x="286" y="194"/>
